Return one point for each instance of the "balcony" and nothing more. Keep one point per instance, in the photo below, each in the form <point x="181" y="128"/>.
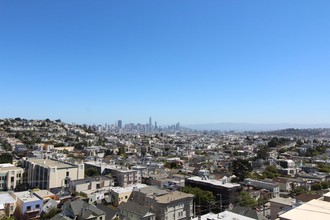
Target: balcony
<point x="28" y="211"/>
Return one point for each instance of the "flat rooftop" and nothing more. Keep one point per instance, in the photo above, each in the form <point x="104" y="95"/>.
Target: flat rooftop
<point x="43" y="193"/>
<point x="284" y="201"/>
<point x="26" y="196"/>
<point x="50" y="163"/>
<point x="173" y="196"/>
<point x="226" y="215"/>
<point x="118" y="168"/>
<point x="6" y="198"/>
<point x="214" y="182"/>
<point x="9" y="166"/>
<point x="119" y="189"/>
<point x="314" y="209"/>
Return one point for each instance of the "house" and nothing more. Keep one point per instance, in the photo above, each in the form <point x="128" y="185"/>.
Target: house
<point x="81" y="210"/>
<point x="28" y="205"/>
<point x="123" y="194"/>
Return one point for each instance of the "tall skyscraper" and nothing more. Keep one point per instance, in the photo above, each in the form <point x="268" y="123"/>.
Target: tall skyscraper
<point x="120" y="123"/>
<point x="156" y="125"/>
<point x="150" y="122"/>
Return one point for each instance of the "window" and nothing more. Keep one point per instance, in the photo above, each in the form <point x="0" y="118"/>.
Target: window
<point x="37" y="206"/>
<point x="67" y="173"/>
<point x="101" y="218"/>
<point x="28" y="208"/>
<point x="125" y="197"/>
<point x="12" y="179"/>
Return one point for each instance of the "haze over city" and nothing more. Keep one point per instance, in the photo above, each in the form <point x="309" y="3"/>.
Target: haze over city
<point x="193" y="62"/>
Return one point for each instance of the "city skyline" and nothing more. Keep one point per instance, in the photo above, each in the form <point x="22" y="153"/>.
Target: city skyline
<point x="191" y="62"/>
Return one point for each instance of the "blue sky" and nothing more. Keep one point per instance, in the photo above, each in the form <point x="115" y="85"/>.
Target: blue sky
<point x="189" y="61"/>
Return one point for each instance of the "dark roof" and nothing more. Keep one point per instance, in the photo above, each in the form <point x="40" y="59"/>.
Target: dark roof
<point x="135" y="208"/>
<point x="110" y="211"/>
<point x="60" y="217"/>
<point x="246" y="211"/>
<point x="81" y="208"/>
<point x="306" y="197"/>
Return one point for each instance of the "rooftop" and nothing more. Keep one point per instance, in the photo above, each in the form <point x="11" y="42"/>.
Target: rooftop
<point x="128" y="188"/>
<point x="214" y="182"/>
<point x="43" y="193"/>
<point x="50" y="163"/>
<point x="173" y="196"/>
<point x="284" y="201"/>
<point x="226" y="215"/>
<point x="314" y="209"/>
<point x="9" y="166"/>
<point x="6" y="198"/>
<point x="26" y="196"/>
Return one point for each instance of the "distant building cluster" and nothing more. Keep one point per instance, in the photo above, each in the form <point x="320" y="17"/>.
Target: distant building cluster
<point x="149" y="127"/>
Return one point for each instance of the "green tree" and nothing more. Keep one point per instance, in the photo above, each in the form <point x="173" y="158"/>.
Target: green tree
<point x="245" y="199"/>
<point x="316" y="187"/>
<point x="270" y="172"/>
<point x="7" y="218"/>
<point x="205" y="197"/>
<point x="263" y="152"/>
<point x="6" y="158"/>
<point x="91" y="172"/>
<point x="241" y="168"/>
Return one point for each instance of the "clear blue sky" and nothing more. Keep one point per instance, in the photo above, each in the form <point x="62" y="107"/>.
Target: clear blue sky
<point x="175" y="60"/>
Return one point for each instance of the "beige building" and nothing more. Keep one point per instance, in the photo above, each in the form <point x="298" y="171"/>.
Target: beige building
<point x="50" y="173"/>
<point x="10" y="176"/>
<point x="167" y="205"/>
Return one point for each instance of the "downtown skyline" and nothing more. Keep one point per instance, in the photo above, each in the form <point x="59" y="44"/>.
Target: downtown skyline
<point x="191" y="62"/>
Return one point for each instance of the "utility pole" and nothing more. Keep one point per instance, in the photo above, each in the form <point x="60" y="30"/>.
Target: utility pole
<point x="199" y="208"/>
<point x="220" y="202"/>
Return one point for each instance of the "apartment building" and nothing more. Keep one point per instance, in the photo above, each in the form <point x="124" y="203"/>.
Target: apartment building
<point x="91" y="185"/>
<point x="10" y="176"/>
<point x="122" y="175"/>
<point x="50" y="173"/>
<point x="272" y="187"/>
<point x="223" y="190"/>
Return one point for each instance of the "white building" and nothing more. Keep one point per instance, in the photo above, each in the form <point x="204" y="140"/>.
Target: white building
<point x="10" y="176"/>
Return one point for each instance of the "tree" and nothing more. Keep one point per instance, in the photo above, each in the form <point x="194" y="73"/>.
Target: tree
<point x="273" y="142"/>
<point x="245" y="199"/>
<point x="316" y="187"/>
<point x="6" y="158"/>
<point x="241" y="168"/>
<point x="270" y="172"/>
<point x="205" y="197"/>
<point x="263" y="152"/>
<point x="91" y="172"/>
